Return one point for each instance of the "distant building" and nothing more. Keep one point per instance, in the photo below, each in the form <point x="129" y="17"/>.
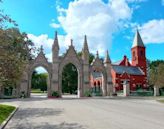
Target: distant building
<point x="135" y="72"/>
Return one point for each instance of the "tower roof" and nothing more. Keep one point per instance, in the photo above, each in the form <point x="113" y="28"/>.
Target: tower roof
<point x="137" y="40"/>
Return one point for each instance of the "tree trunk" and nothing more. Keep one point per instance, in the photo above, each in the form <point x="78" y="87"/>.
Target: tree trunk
<point x="156" y="91"/>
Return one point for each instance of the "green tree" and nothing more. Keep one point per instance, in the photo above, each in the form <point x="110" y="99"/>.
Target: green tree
<point x="160" y="76"/>
<point x="70" y="76"/>
<point x="91" y="56"/>
<point x="43" y="82"/>
<point x="39" y="81"/>
<point x="34" y="82"/>
<point x="69" y="79"/>
<point x="14" y="54"/>
<point x="156" y="73"/>
<point x="155" y="64"/>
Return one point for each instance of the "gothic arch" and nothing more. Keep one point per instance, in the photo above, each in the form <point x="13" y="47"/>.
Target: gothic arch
<point x="39" y="61"/>
<point x="97" y="65"/>
<point x="71" y="57"/>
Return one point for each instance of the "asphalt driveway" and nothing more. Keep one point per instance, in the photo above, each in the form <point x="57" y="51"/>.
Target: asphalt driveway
<point x="92" y="113"/>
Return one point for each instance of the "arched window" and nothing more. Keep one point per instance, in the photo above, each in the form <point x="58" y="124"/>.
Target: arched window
<point x="94" y="86"/>
<point x="141" y="53"/>
<point x="98" y="83"/>
<point x="134" y="55"/>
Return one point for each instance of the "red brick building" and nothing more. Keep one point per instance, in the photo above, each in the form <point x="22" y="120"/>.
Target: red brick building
<point x="133" y="72"/>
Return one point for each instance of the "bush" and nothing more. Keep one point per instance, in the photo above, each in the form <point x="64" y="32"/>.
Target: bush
<point x="55" y="94"/>
<point x="98" y="94"/>
<point x="114" y="94"/>
<point x="88" y="93"/>
<point x="142" y="93"/>
<point x="22" y="94"/>
<point x="161" y="90"/>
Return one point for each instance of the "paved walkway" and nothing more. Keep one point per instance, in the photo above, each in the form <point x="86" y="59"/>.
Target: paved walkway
<point x="93" y="113"/>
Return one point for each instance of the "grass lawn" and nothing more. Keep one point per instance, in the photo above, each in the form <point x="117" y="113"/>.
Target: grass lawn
<point x="162" y="100"/>
<point x="5" y="111"/>
<point x="37" y="91"/>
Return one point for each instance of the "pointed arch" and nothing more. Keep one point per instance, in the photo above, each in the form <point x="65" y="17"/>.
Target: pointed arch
<point x="39" y="61"/>
<point x="71" y="57"/>
<point x="98" y="66"/>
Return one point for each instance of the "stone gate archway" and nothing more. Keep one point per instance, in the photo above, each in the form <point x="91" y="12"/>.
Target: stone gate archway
<point x="71" y="57"/>
<point x="40" y="61"/>
<point x="55" y="69"/>
<point x="97" y="65"/>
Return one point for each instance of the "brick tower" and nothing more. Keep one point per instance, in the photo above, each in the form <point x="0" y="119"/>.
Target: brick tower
<point x="138" y="53"/>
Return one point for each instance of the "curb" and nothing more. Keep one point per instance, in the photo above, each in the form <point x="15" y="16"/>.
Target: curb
<point x="2" y="126"/>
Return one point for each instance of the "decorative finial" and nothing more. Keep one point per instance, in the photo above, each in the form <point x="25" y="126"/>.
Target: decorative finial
<point x="97" y="54"/>
<point x="107" y="58"/>
<point x="41" y="48"/>
<point x="56" y="35"/>
<point x="71" y="42"/>
<point x="85" y="38"/>
<point x="107" y="53"/>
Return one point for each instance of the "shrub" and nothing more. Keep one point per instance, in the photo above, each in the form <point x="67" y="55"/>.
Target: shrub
<point x="88" y="93"/>
<point x="22" y="94"/>
<point x="55" y="94"/>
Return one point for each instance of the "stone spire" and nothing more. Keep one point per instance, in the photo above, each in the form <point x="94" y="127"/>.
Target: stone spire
<point x="137" y="40"/>
<point x="71" y="42"/>
<point x="85" y="46"/>
<point x="85" y="51"/>
<point x="97" y="54"/>
<point x="107" y="58"/>
<point x="55" y="48"/>
<point x="56" y="44"/>
<point x="41" y="48"/>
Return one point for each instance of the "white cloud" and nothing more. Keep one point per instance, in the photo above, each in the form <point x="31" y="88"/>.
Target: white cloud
<point x="55" y="25"/>
<point x="49" y="57"/>
<point x="153" y="31"/>
<point x="47" y="42"/>
<point x="41" y="70"/>
<point x="98" y="20"/>
<point x="41" y="40"/>
<point x="136" y="1"/>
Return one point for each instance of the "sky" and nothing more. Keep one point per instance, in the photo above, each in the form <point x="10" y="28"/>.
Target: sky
<point x="109" y="24"/>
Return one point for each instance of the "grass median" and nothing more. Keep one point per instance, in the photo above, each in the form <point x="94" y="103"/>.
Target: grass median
<point x="161" y="101"/>
<point x="5" y="111"/>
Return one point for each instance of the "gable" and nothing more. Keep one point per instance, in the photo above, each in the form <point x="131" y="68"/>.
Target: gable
<point x="71" y="55"/>
<point x="41" y="58"/>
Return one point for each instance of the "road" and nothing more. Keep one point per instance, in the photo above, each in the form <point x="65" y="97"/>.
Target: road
<point x="92" y="113"/>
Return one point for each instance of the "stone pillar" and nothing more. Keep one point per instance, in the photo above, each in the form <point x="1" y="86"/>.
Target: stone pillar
<point x="25" y="83"/>
<point x="85" y="80"/>
<point x="54" y="86"/>
<point x="109" y="89"/>
<point x="104" y="86"/>
<point x="79" y="87"/>
<point x="126" y="88"/>
<point x="109" y="78"/>
<point x="156" y="91"/>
